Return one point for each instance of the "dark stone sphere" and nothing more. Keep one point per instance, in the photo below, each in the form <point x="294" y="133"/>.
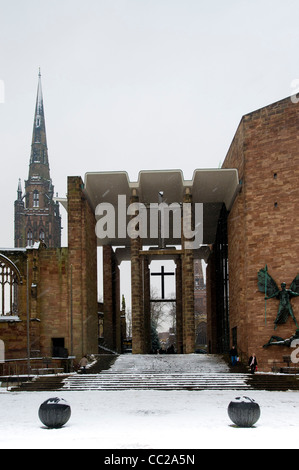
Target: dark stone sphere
<point x="54" y="412"/>
<point x="244" y="412"/>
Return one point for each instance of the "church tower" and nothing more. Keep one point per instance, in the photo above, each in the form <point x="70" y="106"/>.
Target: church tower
<point x="37" y="216"/>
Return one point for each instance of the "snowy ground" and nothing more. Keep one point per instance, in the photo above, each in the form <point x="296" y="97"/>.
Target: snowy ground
<point x="149" y="420"/>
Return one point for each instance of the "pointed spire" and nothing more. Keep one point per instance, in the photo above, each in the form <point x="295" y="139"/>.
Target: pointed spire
<point x="39" y="164"/>
<point x="36" y="212"/>
<point x="39" y="111"/>
<point x="19" y="190"/>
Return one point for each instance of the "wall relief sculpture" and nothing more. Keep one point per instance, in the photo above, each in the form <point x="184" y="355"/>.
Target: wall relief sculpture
<point x="270" y="289"/>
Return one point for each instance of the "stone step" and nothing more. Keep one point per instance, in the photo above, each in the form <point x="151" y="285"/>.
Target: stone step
<point x="275" y="382"/>
<point x="156" y="381"/>
<point x="161" y="373"/>
<point x="41" y="384"/>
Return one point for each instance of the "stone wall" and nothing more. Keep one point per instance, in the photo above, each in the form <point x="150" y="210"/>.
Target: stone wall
<point x="82" y="254"/>
<point x="263" y="224"/>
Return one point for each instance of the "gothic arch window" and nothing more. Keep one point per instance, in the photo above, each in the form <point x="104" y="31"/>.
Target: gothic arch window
<point x="42" y="235"/>
<point x="10" y="278"/>
<point x="35" y="198"/>
<point x="29" y="238"/>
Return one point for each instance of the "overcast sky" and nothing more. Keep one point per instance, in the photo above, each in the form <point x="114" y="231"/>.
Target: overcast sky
<point x="132" y="85"/>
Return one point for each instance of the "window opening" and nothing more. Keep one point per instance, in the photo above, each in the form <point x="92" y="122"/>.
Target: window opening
<point x="35" y="199"/>
<point x="42" y="235"/>
<point x="9" y="280"/>
<point x="29" y="238"/>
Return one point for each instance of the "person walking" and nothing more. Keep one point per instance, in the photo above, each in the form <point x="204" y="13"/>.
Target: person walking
<point x="233" y="355"/>
<point x="252" y="363"/>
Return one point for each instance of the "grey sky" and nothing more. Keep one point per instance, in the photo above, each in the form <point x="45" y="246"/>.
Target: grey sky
<point x="137" y="84"/>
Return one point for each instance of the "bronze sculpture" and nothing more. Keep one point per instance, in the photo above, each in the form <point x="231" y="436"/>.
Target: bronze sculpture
<point x="268" y="286"/>
<point x="278" y="341"/>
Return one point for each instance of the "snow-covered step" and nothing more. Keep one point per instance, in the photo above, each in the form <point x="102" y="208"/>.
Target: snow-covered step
<point x="161" y="372"/>
<point x="157" y="381"/>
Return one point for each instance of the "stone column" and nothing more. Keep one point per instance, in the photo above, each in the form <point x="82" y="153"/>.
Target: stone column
<point x="188" y="289"/>
<point x="146" y="305"/>
<point x="76" y="263"/>
<point x="34" y="301"/>
<point x="82" y="270"/>
<point x="118" y="335"/>
<point x="211" y="305"/>
<point x="137" y="291"/>
<point x="111" y="288"/>
<point x="179" y="311"/>
<point x="109" y="314"/>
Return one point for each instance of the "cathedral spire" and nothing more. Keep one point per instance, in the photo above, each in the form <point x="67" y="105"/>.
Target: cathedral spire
<point x="37" y="215"/>
<point x="39" y="163"/>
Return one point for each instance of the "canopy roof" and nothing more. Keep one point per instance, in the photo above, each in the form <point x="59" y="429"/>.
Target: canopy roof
<point x="212" y="187"/>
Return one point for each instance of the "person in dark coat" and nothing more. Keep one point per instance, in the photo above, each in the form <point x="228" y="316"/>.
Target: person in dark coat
<point x="252" y="363"/>
<point x="234" y="355"/>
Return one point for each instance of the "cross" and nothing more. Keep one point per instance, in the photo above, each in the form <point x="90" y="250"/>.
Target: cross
<point x="162" y="274"/>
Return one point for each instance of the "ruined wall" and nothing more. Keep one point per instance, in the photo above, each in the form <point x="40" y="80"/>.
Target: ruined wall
<point x="262" y="225"/>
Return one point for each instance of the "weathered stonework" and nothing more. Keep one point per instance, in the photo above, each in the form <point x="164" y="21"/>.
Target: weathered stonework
<point x="59" y="285"/>
<point x="262" y="226"/>
<point x="37" y="215"/>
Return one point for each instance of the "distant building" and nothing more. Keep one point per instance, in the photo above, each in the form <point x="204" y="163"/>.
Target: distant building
<point x="37" y="216"/>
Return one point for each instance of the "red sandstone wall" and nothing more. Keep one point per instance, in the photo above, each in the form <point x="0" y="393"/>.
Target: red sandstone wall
<point x="53" y="297"/>
<point x="263" y="224"/>
<point x="49" y="301"/>
<point x="83" y="259"/>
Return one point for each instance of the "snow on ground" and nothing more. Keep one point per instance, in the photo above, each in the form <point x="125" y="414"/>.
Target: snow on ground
<point x="149" y="420"/>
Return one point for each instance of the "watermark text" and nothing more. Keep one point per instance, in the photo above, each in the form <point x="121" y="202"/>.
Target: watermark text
<point x="155" y="221"/>
<point x="295" y="353"/>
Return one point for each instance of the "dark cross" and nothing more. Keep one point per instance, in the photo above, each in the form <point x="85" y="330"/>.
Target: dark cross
<point x="162" y="274"/>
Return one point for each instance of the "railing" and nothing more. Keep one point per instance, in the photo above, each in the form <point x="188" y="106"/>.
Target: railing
<point x="285" y="366"/>
<point x="14" y="367"/>
<point x="36" y="366"/>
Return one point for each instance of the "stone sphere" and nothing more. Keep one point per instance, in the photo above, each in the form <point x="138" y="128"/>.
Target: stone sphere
<point x="244" y="412"/>
<point x="54" y="412"/>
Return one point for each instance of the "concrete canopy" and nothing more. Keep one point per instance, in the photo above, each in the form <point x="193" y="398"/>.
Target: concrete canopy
<point x="212" y="187"/>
